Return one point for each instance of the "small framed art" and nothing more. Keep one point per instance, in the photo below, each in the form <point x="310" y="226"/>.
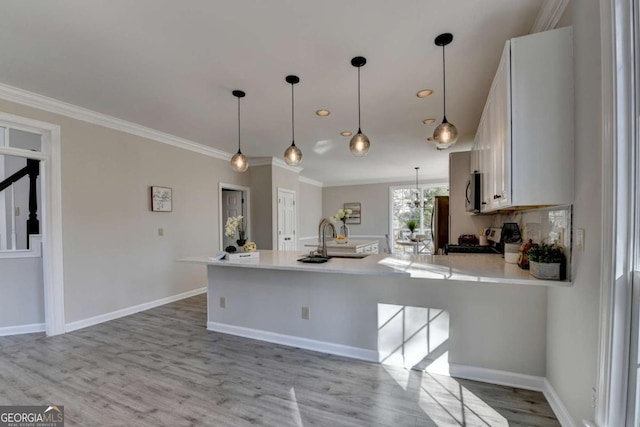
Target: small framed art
<point x="356" y="212"/>
<point x="161" y="199"/>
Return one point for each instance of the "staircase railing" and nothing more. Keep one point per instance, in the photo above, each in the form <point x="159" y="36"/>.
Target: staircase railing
<point x="32" y="169"/>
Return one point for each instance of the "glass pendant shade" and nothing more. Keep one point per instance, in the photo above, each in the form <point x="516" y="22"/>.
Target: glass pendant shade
<point x="292" y="155"/>
<point x="239" y="162"/>
<point x="359" y="144"/>
<point x="445" y="134"/>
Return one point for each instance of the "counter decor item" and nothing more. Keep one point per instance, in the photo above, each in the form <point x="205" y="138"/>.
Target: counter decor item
<point x="236" y="224"/>
<point x="523" y="258"/>
<point x="547" y="262"/>
<point x="343" y="215"/>
<point x="250" y="247"/>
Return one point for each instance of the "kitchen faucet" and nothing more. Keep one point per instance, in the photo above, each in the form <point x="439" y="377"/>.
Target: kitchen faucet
<point x="322" y="239"/>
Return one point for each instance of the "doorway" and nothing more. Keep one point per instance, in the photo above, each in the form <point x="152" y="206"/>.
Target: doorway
<point x="46" y="156"/>
<point x="233" y="201"/>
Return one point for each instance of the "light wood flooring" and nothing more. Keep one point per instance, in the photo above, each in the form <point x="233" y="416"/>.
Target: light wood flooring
<point x="162" y="367"/>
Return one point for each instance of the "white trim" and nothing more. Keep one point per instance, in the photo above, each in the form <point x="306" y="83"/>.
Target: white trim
<point x="310" y="181"/>
<point x="550" y="13"/>
<point x="52" y="105"/>
<point x="397" y="181"/>
<point x="273" y="161"/>
<point x="291" y="341"/>
<point x="561" y="411"/>
<point x="21" y="329"/>
<point x="493" y="376"/>
<point x="91" y="321"/>
<point x="34" y="251"/>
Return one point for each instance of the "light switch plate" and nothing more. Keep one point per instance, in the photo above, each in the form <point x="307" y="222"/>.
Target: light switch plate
<point x="160" y="232"/>
<point x="580" y="239"/>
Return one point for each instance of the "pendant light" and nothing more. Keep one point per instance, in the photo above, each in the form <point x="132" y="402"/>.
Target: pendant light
<point x="359" y="144"/>
<point x="239" y="161"/>
<point x="292" y="155"/>
<point x="416" y="203"/>
<point x="446" y="134"/>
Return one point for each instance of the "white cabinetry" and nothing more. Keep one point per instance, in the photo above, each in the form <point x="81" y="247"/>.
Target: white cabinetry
<point x="524" y="143"/>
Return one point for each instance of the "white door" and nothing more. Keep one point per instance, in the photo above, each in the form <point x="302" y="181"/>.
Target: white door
<point x="232" y="205"/>
<point x="286" y="220"/>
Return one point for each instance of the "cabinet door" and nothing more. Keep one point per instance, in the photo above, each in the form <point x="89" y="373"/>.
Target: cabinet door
<point x="501" y="132"/>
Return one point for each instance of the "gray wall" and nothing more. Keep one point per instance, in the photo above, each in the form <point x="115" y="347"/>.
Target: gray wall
<point x="309" y="213"/>
<point x="113" y="256"/>
<point x="22" y="301"/>
<point x="261" y="217"/>
<point x="572" y="315"/>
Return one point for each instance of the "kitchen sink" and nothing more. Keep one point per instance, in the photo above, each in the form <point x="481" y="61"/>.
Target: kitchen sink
<point x="313" y="259"/>
<point x="348" y="255"/>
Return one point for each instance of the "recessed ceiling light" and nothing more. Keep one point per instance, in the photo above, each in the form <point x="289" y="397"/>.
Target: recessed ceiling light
<point x="424" y="93"/>
<point x="323" y="113"/>
<point x="429" y="121"/>
<point x="346" y="133"/>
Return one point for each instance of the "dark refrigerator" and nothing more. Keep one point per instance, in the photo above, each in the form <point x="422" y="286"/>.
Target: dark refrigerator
<point x="440" y="223"/>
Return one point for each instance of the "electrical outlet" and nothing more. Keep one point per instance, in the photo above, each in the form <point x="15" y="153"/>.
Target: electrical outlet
<point x="305" y="313"/>
<point x="594" y="398"/>
<point x="580" y="239"/>
<point x="223" y="302"/>
<point x="17" y="212"/>
<point x="160" y="232"/>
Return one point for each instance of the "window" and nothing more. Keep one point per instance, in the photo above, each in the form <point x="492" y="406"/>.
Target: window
<point x="401" y="199"/>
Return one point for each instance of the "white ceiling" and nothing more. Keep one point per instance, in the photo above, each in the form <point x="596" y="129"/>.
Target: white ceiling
<point x="171" y="66"/>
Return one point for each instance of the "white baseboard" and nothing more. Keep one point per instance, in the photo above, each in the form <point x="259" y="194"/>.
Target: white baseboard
<point x="558" y="407"/>
<point x="21" y="329"/>
<point x="305" y="343"/>
<point x="492" y="376"/>
<point x="73" y="326"/>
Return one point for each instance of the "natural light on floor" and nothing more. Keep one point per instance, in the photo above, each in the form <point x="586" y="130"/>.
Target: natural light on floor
<point x="416" y="338"/>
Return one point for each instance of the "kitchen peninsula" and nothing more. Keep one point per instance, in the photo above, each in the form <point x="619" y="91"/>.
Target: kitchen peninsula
<point x="474" y="310"/>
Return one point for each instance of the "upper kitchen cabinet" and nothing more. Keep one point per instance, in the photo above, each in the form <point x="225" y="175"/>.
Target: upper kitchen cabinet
<point x="524" y="143"/>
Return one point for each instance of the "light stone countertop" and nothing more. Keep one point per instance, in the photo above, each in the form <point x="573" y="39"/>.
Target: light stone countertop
<point x="480" y="268"/>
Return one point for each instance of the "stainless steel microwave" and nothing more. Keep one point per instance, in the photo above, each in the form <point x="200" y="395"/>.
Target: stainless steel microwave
<point x="473" y="192"/>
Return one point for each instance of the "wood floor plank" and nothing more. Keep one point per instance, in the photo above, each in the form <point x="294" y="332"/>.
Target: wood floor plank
<point x="162" y="367"/>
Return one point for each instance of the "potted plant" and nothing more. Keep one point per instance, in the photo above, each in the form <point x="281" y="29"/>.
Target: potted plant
<point x="412" y="224"/>
<point x="342" y="216"/>
<point x="236" y="223"/>
<point x="547" y="262"/>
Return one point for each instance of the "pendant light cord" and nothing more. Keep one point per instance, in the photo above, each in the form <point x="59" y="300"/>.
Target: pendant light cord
<point x="293" y="139"/>
<point x="444" y="85"/>
<point x="359" y="127"/>
<point x="239" y="125"/>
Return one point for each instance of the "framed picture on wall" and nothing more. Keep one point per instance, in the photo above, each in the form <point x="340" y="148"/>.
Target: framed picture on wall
<point x="356" y="212"/>
<point x="161" y="199"/>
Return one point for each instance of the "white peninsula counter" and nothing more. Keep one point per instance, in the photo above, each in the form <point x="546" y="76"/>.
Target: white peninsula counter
<point x="469" y="310"/>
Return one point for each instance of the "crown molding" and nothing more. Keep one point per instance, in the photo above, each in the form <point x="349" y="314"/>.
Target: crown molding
<point x="400" y="181"/>
<point x="34" y="100"/>
<point x="310" y="181"/>
<point x="550" y="13"/>
<point x="273" y="161"/>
